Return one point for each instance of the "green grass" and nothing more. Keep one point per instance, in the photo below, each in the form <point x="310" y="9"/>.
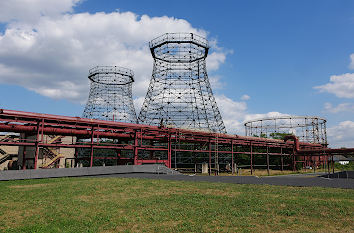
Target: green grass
<point x="142" y="205"/>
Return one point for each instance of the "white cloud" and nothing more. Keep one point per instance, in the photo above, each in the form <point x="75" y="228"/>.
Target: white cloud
<point x="32" y="10"/>
<point x="245" y="97"/>
<point x="50" y="51"/>
<point x="341" y="135"/>
<point x="214" y="60"/>
<point x="215" y="82"/>
<point x="138" y="102"/>
<point x="235" y="114"/>
<point x="340" y="85"/>
<point x="343" y="107"/>
<point x="232" y="112"/>
<point x="257" y="116"/>
<point x="351" y="65"/>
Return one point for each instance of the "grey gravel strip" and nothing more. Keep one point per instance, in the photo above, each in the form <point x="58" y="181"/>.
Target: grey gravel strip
<point x="283" y="181"/>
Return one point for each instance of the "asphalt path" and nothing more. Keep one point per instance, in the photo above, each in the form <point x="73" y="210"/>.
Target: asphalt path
<point x="299" y="181"/>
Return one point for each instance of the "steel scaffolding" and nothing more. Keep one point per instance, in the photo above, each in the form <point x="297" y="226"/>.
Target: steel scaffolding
<point x="309" y="129"/>
<point x="179" y="93"/>
<point x="110" y="95"/>
<point x="160" y="143"/>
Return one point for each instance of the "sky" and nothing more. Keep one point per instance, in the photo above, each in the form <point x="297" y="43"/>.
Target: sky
<point x="267" y="58"/>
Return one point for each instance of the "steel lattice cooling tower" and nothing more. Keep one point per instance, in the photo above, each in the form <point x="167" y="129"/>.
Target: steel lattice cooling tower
<point x="309" y="129"/>
<point x="110" y="95"/>
<point x="179" y="93"/>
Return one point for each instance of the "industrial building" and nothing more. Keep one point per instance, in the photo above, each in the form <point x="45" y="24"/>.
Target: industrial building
<point x="179" y="124"/>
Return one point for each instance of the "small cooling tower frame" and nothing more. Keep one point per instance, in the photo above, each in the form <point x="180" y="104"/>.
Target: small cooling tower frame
<point x="110" y="95"/>
<point x="310" y="129"/>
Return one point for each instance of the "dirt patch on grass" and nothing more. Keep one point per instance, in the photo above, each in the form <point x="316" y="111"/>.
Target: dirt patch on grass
<point x="29" y="186"/>
<point x="212" y="192"/>
<point x="15" y="218"/>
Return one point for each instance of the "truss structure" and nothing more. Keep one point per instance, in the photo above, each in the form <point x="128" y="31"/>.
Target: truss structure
<point x="176" y="148"/>
<point x="110" y="95"/>
<point x="179" y="93"/>
<point x="309" y="129"/>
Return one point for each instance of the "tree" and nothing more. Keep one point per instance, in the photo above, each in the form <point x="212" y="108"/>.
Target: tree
<point x="280" y="136"/>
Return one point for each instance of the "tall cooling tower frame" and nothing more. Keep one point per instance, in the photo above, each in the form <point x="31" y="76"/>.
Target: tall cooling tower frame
<point x="179" y="94"/>
<point x="110" y="95"/>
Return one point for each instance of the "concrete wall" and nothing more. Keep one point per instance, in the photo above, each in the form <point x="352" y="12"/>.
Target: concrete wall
<point x="85" y="171"/>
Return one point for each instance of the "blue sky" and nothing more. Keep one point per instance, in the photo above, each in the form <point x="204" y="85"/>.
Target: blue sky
<point x="275" y="52"/>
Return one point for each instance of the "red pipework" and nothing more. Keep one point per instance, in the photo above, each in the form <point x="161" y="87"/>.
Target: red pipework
<point x="327" y="150"/>
<point x="87" y="121"/>
<point x="27" y="122"/>
<point x="57" y="131"/>
<point x="76" y="126"/>
<point x="296" y="141"/>
<point x="77" y="121"/>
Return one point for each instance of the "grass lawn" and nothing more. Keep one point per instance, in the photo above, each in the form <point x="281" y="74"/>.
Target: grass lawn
<point x="143" y="205"/>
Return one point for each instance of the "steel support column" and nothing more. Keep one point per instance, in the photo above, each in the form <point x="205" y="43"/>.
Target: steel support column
<point x="91" y="152"/>
<point x="209" y="158"/>
<point x="293" y="159"/>
<point x="232" y="158"/>
<point x="267" y="161"/>
<point x="135" y="149"/>
<point x="36" y="146"/>
<point x="281" y="159"/>
<point x="251" y="158"/>
<point x="24" y="158"/>
<point x="75" y="156"/>
<point x="169" y="151"/>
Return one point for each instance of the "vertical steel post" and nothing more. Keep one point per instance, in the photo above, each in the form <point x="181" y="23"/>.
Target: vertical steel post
<point x="135" y="149"/>
<point x="195" y="158"/>
<point x="118" y="156"/>
<point x="267" y="161"/>
<point x="91" y="153"/>
<point x="169" y="150"/>
<point x="42" y="133"/>
<point x="251" y="159"/>
<point x="37" y="146"/>
<point x="281" y="158"/>
<point x="24" y="158"/>
<point x="179" y="147"/>
<point x="232" y="157"/>
<point x="75" y="155"/>
<point x="209" y="157"/>
<point x="293" y="156"/>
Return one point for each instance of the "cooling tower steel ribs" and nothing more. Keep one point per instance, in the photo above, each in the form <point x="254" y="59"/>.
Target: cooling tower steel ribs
<point x="310" y="129"/>
<point x="179" y="93"/>
<point x="110" y="95"/>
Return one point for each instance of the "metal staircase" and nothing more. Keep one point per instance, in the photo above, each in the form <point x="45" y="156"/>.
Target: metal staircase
<point x="52" y="154"/>
<point x="4" y="156"/>
<point x="56" y="139"/>
<point x="5" y="138"/>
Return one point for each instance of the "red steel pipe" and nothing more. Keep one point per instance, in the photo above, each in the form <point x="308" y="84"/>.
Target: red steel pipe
<point x="77" y="121"/>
